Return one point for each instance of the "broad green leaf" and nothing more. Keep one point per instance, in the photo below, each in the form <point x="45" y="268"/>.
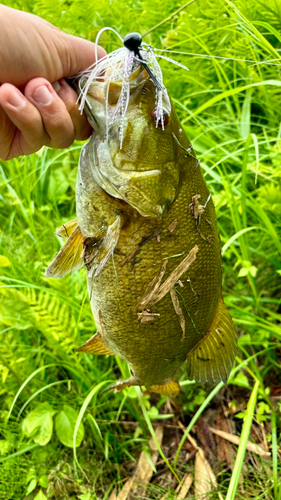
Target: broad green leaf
<point x="65" y="424"/>
<point x="44" y="481"/>
<point x="262" y="412"/>
<point x="85" y="496"/>
<point x="247" y="269"/>
<point x="253" y="271"/>
<point x="153" y="412"/>
<point x="4" y="446"/>
<point x="40" y="496"/>
<point x="244" y="339"/>
<point x="243" y="272"/>
<point x="240" y="380"/>
<point x="4" y="261"/>
<point x="240" y="415"/>
<point x="132" y="393"/>
<point x="138" y="432"/>
<point x="38" y="424"/>
<point x="30" y="474"/>
<point x="32" y="485"/>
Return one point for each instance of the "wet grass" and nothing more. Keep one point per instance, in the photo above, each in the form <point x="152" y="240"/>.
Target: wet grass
<point x="231" y="112"/>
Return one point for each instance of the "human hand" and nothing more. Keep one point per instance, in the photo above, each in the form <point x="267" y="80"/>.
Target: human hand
<point x="33" y="55"/>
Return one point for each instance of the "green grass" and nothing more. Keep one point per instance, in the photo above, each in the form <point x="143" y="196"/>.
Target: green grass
<point x="231" y="112"/>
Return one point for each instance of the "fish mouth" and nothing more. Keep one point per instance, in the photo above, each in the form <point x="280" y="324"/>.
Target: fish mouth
<point x="113" y="85"/>
<point x="108" y="97"/>
<point x="109" y="90"/>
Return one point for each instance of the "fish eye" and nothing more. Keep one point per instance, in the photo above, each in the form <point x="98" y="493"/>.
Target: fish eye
<point x="166" y="118"/>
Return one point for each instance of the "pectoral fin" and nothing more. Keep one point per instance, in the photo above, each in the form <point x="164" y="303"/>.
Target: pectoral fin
<point x="97" y="250"/>
<point x="70" y="256"/>
<point x="95" y="345"/>
<point x="212" y="358"/>
<point x="67" y="229"/>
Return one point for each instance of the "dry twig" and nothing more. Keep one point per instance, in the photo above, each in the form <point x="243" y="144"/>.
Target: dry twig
<point x="184" y="487"/>
<point x="155" y="291"/>
<point x="254" y="448"/>
<point x="137" y="483"/>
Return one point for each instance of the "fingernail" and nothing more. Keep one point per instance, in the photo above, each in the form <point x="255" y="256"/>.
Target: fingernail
<point x="56" y="86"/>
<point x="16" y="100"/>
<point x="42" y="96"/>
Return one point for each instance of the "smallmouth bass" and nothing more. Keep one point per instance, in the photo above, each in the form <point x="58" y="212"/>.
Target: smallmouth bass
<point x="146" y="230"/>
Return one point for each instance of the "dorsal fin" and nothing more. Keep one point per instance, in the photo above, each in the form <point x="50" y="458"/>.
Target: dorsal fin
<point x="212" y="358"/>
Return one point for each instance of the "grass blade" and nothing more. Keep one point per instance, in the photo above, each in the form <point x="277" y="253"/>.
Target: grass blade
<point x="231" y="492"/>
<point x="84" y="407"/>
<point x="20" y="452"/>
<point x="152" y="432"/>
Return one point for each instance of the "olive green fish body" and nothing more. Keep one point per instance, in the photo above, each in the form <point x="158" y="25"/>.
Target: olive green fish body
<point x="154" y="349"/>
<point x="147" y="232"/>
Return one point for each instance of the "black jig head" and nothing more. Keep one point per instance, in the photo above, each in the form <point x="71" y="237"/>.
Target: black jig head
<point x="132" y="42"/>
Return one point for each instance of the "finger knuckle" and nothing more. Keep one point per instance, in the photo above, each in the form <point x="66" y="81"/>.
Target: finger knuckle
<point x="67" y="142"/>
<point x="62" y="142"/>
<point x="83" y="134"/>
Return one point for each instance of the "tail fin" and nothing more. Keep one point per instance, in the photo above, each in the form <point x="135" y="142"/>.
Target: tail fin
<point x="212" y="358"/>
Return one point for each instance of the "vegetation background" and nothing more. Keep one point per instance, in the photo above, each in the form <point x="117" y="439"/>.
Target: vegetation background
<point x="230" y="109"/>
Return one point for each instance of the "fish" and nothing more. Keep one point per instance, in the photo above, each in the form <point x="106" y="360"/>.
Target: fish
<point x="146" y="230"/>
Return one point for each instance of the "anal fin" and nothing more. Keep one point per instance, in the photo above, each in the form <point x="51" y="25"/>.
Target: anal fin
<point x="70" y="256"/>
<point x="169" y="388"/>
<point x="95" y="345"/>
<point x="212" y="358"/>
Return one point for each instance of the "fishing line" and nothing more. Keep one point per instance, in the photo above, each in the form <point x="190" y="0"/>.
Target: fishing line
<point x="169" y="17"/>
<point x="268" y="63"/>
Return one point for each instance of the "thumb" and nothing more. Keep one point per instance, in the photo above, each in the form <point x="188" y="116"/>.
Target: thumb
<point x="78" y="54"/>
